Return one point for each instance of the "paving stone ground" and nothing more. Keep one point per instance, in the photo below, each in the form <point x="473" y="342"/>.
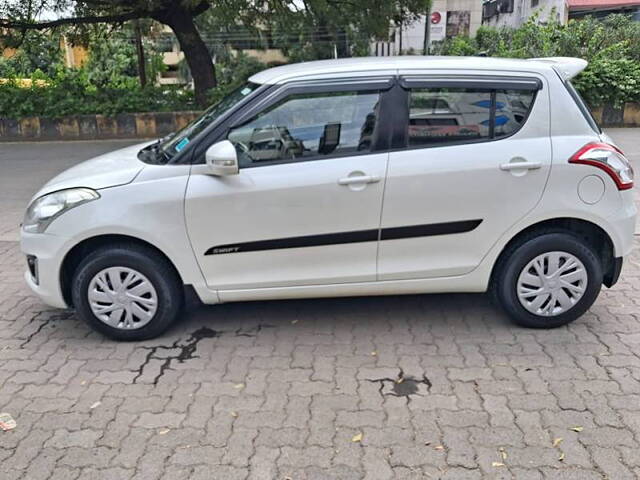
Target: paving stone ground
<point x="432" y="386"/>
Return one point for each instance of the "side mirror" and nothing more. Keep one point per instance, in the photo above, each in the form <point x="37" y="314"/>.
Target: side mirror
<point x="222" y="159"/>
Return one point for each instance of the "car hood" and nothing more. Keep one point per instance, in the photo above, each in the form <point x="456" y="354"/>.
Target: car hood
<point x="109" y="170"/>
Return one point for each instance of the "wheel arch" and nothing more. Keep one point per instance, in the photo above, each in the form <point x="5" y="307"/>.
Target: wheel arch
<point x="75" y="255"/>
<point x="595" y="236"/>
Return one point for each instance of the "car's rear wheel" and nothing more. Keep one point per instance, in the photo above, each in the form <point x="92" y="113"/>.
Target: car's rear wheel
<point x="127" y="292"/>
<point x="547" y="280"/>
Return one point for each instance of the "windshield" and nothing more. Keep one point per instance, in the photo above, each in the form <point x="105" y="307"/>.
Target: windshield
<point x="164" y="149"/>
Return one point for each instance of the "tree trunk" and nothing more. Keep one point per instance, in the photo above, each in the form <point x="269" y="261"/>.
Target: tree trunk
<point x="427" y="29"/>
<point x="142" y="68"/>
<point x="195" y="53"/>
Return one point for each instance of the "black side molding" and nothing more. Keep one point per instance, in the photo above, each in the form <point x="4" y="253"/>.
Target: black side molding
<point x="297" y="242"/>
<point x="429" y="230"/>
<point x="359" y="236"/>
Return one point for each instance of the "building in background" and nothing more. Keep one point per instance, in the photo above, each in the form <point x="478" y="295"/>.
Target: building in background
<point x="602" y="8"/>
<point x="250" y="45"/>
<point x="73" y="55"/>
<point x="449" y="18"/>
<point x="513" y="13"/>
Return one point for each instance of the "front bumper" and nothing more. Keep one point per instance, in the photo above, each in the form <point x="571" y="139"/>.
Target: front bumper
<point x="49" y="251"/>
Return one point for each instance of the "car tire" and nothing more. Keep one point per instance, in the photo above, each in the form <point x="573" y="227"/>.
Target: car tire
<point x="529" y="283"/>
<point x="127" y="292"/>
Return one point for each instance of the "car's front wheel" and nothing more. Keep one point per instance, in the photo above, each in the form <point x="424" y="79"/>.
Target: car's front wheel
<point x="127" y="292"/>
<point x="547" y="280"/>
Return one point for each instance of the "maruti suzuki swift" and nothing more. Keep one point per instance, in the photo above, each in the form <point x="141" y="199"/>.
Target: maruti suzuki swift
<point x="350" y="177"/>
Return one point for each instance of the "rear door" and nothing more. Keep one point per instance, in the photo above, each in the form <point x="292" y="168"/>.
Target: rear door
<point x="474" y="158"/>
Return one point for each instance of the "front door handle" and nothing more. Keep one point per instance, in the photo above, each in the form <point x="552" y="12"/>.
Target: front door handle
<point x="520" y="164"/>
<point x="359" y="179"/>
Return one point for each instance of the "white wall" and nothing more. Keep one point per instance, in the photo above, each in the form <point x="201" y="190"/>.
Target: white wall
<point x="523" y="10"/>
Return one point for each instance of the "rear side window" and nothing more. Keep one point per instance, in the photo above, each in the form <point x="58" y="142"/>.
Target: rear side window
<point x="512" y="109"/>
<point x="445" y="115"/>
<point x="586" y="112"/>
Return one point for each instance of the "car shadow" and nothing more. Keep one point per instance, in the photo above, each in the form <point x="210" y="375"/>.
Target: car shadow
<point x="455" y="312"/>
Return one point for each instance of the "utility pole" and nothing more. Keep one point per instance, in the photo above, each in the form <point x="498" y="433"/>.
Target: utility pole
<point x="142" y="67"/>
<point x="427" y="28"/>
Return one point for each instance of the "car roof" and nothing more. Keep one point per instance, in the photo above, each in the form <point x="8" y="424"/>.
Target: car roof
<point x="365" y="64"/>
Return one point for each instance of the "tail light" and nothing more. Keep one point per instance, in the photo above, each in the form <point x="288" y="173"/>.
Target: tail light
<point x="608" y="158"/>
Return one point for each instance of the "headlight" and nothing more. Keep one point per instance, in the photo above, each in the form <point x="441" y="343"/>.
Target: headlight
<point x="45" y="209"/>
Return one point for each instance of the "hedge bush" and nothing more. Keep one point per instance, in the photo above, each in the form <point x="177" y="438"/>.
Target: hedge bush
<point x="69" y="92"/>
<point x="611" y="46"/>
<point x="78" y="91"/>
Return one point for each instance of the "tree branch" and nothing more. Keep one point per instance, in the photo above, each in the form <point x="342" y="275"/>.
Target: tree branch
<point x="25" y="25"/>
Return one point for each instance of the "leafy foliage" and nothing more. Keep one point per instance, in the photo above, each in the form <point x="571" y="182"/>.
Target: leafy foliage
<point x="113" y="61"/>
<point x="108" y="84"/>
<point x="70" y="92"/>
<point x="611" y="46"/>
<point x="38" y="51"/>
<point x="309" y="29"/>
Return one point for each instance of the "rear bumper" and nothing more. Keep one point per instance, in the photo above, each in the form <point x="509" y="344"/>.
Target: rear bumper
<point x="622" y="225"/>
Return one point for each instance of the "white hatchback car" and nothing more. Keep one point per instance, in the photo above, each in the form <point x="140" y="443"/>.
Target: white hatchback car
<point x="350" y="177"/>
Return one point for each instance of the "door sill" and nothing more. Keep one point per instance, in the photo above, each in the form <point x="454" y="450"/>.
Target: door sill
<point x="470" y="283"/>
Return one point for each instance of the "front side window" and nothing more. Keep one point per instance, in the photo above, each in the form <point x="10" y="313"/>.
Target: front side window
<point x="439" y="115"/>
<point x="306" y="126"/>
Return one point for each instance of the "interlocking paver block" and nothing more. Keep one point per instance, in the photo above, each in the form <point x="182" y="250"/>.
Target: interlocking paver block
<point x="317" y="390"/>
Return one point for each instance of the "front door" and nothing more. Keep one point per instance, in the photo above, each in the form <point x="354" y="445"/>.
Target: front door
<point x="305" y="207"/>
<point x="475" y="160"/>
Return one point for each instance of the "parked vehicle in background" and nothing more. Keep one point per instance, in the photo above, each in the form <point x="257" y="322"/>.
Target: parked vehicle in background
<point x="350" y="177"/>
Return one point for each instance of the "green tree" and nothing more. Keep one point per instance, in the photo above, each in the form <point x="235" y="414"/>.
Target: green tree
<point x="19" y="16"/>
<point x="312" y="28"/>
<point x="317" y="29"/>
<point x="36" y="51"/>
<point x="112" y="57"/>
<point x="611" y="46"/>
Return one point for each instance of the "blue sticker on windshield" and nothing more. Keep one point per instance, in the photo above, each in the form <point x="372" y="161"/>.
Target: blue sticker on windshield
<point x="181" y="144"/>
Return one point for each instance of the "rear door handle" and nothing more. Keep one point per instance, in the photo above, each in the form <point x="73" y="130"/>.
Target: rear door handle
<point x="359" y="179"/>
<point x="520" y="165"/>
